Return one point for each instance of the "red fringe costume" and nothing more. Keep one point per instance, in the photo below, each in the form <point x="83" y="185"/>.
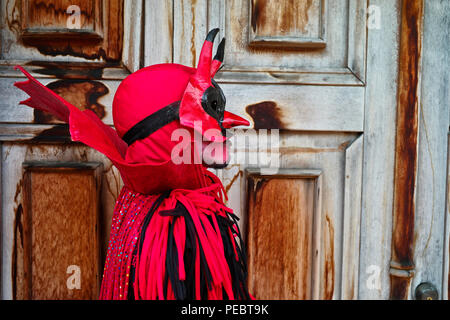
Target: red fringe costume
<point x="172" y="237"/>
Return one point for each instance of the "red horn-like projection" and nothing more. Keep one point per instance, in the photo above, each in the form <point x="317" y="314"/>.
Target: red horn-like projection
<point x="203" y="101"/>
<point x="204" y="62"/>
<point x="218" y="58"/>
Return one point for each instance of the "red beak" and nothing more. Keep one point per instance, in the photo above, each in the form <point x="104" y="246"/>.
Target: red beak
<point x="231" y="120"/>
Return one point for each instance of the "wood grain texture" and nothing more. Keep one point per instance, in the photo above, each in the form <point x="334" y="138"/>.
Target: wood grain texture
<point x="133" y="29"/>
<point x="283" y="62"/>
<point x="44" y="19"/>
<point x="280" y="237"/>
<point x="60" y="229"/>
<point x="97" y="95"/>
<point x="379" y="147"/>
<point x="159" y="15"/>
<point x="287" y="23"/>
<point x="308" y="108"/>
<point x="37" y="30"/>
<point x="189" y="30"/>
<point x="326" y="152"/>
<point x="13" y="155"/>
<point x="352" y="219"/>
<point x="446" y="274"/>
<point x="432" y="172"/>
<point x="1" y="222"/>
<point x="402" y="260"/>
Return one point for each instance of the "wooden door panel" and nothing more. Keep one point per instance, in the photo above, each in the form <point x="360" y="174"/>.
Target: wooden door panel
<point x="42" y="30"/>
<point x="337" y="49"/>
<point x="282" y="248"/>
<point x="432" y="219"/>
<point x="308" y="108"/>
<point x="61" y="18"/>
<point x="338" y="158"/>
<point x="14" y="202"/>
<point x="293" y="24"/>
<point x="60" y="231"/>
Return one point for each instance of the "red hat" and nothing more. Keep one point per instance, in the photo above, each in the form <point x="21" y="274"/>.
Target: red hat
<point x="146" y="91"/>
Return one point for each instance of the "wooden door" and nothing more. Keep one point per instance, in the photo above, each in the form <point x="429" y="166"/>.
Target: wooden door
<point x="342" y="81"/>
<point x="298" y="67"/>
<point x="318" y="78"/>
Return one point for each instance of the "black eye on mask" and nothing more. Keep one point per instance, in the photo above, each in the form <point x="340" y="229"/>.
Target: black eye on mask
<point x="213" y="102"/>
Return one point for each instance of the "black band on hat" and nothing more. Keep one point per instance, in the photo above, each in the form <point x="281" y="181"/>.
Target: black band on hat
<point x="152" y="123"/>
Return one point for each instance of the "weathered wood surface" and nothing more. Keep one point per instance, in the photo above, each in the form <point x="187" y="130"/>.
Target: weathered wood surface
<point x="314" y="95"/>
<point x="431" y="232"/>
<point x="308" y="108"/>
<point x="406" y="148"/>
<point x="39" y="31"/>
<point x="283" y="64"/>
<point x="352" y="219"/>
<point x="61" y="18"/>
<point x="59" y="230"/>
<point x="84" y="94"/>
<point x="379" y="147"/>
<point x="158" y="46"/>
<point x="300" y="108"/>
<point x="13" y="155"/>
<point x="334" y="154"/>
<point x="281" y="217"/>
<point x="446" y="253"/>
<point x="134" y="26"/>
<point x="295" y="24"/>
<point x="86" y="73"/>
<point x="189" y="30"/>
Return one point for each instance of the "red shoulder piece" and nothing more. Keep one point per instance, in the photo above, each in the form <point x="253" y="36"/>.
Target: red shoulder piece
<point x="85" y="124"/>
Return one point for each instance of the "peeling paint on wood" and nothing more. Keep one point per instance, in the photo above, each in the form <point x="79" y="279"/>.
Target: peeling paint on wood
<point x="83" y="94"/>
<point x="58" y="133"/>
<point x="88" y="71"/>
<point x="265" y="115"/>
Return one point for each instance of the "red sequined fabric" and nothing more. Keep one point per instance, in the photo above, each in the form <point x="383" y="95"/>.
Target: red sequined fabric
<point x="193" y="253"/>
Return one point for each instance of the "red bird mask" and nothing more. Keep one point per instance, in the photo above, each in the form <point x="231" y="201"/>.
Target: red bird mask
<point x="149" y="105"/>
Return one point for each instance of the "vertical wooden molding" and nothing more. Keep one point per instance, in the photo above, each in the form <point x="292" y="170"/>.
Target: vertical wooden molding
<point x="352" y="219"/>
<point x="406" y="146"/>
<point x="27" y="262"/>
